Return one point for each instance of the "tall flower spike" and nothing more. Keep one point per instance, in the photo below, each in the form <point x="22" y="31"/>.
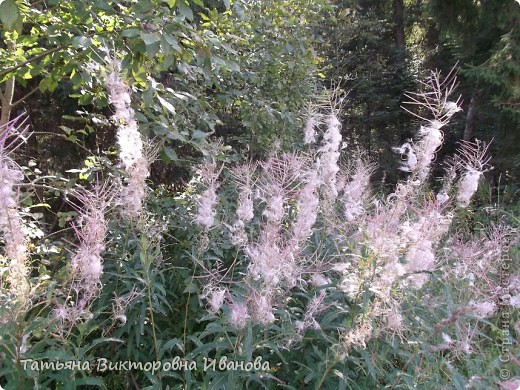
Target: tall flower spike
<point x="330" y="152"/>
<point x="434" y="100"/>
<point x="12" y="135"/>
<point x="206" y="210"/>
<point x="91" y="230"/>
<point x="131" y="148"/>
<point x="207" y="202"/>
<point x="312" y="120"/>
<point x="261" y="309"/>
<point x="310" y="129"/>
<point x="308" y="203"/>
<point x="243" y="176"/>
<point x="238" y="315"/>
<point x="473" y="161"/>
<point x="355" y="190"/>
<point x="280" y="176"/>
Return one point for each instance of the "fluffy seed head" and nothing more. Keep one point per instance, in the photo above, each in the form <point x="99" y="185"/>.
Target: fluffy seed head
<point x="239" y="315"/>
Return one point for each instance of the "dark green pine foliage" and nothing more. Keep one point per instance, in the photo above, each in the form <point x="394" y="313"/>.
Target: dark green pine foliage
<point x="366" y="59"/>
<point x="484" y="37"/>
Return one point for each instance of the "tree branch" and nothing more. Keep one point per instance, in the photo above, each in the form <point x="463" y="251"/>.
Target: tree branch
<point x="7" y="99"/>
<point x="35" y="58"/>
<point x="24" y="97"/>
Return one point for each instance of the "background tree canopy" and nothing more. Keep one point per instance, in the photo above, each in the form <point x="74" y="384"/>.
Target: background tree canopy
<point x="218" y="69"/>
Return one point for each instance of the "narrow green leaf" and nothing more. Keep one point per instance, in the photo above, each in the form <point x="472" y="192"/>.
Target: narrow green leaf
<point x="166" y="104"/>
<point x="90" y="381"/>
<point x="190" y="288"/>
<point x="148" y="96"/>
<point x="232" y="65"/>
<point x="175" y="135"/>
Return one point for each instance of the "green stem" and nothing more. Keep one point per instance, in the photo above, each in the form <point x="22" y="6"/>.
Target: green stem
<point x="150" y="309"/>
<point x="146" y="265"/>
<point x="186" y="323"/>
<point x="327" y="370"/>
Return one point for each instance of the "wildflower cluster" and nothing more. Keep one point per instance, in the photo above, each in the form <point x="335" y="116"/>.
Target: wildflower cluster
<point x="207" y="202"/>
<point x="472" y="161"/>
<point x="131" y="146"/>
<point x="355" y="190"/>
<point x="16" y="255"/>
<point x="243" y="176"/>
<point x="384" y="249"/>
<point x="301" y="248"/>
<point x="288" y="189"/>
<point x="91" y="230"/>
<point x="435" y="100"/>
<point x="329" y="153"/>
<point x="87" y="261"/>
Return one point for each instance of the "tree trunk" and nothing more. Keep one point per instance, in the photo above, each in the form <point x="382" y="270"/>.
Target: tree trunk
<point x="471" y="117"/>
<point x="400" y="42"/>
<point x="368" y="132"/>
<point x="6" y="99"/>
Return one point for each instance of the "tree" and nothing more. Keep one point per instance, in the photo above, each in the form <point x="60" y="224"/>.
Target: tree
<point x="368" y="59"/>
<point x="484" y="37"/>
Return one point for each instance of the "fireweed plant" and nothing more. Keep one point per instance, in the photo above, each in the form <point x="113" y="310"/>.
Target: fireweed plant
<point x="306" y="226"/>
<point x="293" y="260"/>
<point x="15" y="258"/>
